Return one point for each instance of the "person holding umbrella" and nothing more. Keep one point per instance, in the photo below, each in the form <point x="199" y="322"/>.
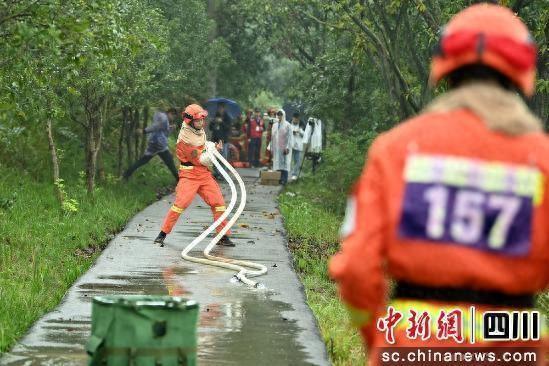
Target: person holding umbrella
<point x="226" y="123"/>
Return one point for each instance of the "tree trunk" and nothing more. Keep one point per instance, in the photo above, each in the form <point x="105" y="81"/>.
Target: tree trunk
<point x="100" y="166"/>
<point x="90" y="158"/>
<point x="98" y="138"/>
<point x="94" y="134"/>
<point x="401" y="87"/>
<point x="129" y="134"/>
<point x="121" y="142"/>
<point x="136" y="136"/>
<point x="144" y="137"/>
<point x="350" y="96"/>
<point x="212" y="79"/>
<point x="540" y="102"/>
<point x="55" y="165"/>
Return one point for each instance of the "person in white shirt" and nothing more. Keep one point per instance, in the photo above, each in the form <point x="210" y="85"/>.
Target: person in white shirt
<point x="313" y="137"/>
<point x="297" y="145"/>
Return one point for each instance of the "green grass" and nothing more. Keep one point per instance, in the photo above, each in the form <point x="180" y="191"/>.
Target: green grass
<point x="42" y="252"/>
<point x="313" y="236"/>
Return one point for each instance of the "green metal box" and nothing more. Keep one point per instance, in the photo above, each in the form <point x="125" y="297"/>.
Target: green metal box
<point x="141" y="330"/>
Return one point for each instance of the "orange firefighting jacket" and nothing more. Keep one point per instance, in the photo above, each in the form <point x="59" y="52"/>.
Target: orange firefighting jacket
<point x="455" y="197"/>
<point x="189" y="147"/>
<point x="189" y="154"/>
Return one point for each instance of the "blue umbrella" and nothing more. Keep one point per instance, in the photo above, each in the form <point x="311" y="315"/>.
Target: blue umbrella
<point x="232" y="107"/>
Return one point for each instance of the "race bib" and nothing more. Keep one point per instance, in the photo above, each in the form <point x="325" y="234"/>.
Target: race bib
<point x="483" y="205"/>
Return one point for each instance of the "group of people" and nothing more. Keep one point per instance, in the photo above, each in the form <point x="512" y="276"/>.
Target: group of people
<point x="290" y="139"/>
<point x="282" y="142"/>
<point x="268" y="138"/>
<point x="286" y="145"/>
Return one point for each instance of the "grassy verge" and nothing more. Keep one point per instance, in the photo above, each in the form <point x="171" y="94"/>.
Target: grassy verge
<point x="42" y="252"/>
<point x="313" y="236"/>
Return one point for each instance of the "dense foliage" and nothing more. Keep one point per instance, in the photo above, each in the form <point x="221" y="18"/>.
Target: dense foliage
<point x="91" y="69"/>
<point x="86" y="69"/>
<point x="368" y="60"/>
<point x="363" y="65"/>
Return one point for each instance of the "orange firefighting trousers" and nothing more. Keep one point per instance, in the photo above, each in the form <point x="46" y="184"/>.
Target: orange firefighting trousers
<point x="193" y="180"/>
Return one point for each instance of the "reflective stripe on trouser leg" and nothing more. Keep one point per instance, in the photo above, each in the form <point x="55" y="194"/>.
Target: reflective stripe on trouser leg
<point x="171" y="218"/>
<point x="179" y="210"/>
<point x="211" y="194"/>
<point x="184" y="194"/>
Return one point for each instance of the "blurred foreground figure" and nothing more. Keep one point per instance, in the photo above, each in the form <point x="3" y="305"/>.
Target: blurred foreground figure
<point x="453" y="204"/>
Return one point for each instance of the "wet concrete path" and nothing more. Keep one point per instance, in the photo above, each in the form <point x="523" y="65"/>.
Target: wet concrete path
<point x="238" y="325"/>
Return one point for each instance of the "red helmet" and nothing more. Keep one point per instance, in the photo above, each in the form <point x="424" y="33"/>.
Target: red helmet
<point x="490" y="35"/>
<point x="194" y="111"/>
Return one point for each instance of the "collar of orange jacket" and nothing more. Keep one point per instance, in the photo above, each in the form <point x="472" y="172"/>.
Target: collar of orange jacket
<point x="191" y="136"/>
<point x="500" y="109"/>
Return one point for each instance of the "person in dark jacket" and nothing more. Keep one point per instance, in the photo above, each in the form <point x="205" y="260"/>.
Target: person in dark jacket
<point x="158" y="143"/>
<point x="218" y="130"/>
<point x="220" y="135"/>
<point x="226" y="122"/>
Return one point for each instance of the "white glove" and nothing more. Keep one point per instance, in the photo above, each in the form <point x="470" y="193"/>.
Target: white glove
<point x="205" y="159"/>
<point x="207" y="154"/>
<point x="210" y="147"/>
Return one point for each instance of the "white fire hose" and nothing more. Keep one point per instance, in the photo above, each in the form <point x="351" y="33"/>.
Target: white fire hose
<point x="234" y="264"/>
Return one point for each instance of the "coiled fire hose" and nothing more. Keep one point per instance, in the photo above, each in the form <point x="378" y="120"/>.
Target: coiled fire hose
<point x="234" y="264"/>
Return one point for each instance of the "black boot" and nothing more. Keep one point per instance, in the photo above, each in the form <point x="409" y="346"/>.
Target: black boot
<point x="226" y="241"/>
<point x="160" y="238"/>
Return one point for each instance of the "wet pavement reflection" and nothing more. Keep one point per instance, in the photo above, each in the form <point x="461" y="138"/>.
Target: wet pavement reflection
<point x="254" y="333"/>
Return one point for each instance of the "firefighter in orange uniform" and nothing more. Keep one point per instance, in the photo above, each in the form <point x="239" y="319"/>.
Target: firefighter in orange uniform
<point x="453" y="204"/>
<point x="194" y="174"/>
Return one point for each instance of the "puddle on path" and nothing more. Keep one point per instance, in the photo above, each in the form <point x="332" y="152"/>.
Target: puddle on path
<point x="249" y="331"/>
